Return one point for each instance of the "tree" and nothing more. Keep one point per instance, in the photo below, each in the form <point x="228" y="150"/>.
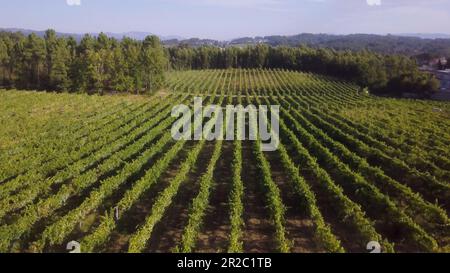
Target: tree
<point x="432" y="85"/>
<point x="34" y="54"/>
<point x="153" y="63"/>
<point x="4" y="57"/>
<point x="120" y="80"/>
<point x="94" y="71"/>
<point x="131" y="54"/>
<point x="59" y="72"/>
<point x="231" y="57"/>
<point x="103" y="42"/>
<point x="50" y="44"/>
<point x="79" y="67"/>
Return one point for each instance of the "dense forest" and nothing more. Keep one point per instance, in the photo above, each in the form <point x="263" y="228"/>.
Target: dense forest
<point x="419" y="48"/>
<point x="384" y="44"/>
<point x="93" y="65"/>
<point x="103" y="64"/>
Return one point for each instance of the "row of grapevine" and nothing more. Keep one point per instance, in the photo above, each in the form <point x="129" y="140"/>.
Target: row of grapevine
<point x="323" y="233"/>
<point x="350" y="141"/>
<point x="139" y="239"/>
<point x="79" y="177"/>
<point x="201" y="201"/>
<point x="101" y="234"/>
<point x="402" y="195"/>
<point x="40" y="174"/>
<point x="43" y="149"/>
<point x="343" y="169"/>
<point x="122" y="128"/>
<point x="417" y="161"/>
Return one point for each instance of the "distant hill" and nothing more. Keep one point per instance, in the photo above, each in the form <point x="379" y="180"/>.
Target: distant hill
<point x="132" y="34"/>
<point x="432" y="45"/>
<point x="425" y="45"/>
<point x="426" y="35"/>
<point x="195" y="42"/>
<point x="387" y="44"/>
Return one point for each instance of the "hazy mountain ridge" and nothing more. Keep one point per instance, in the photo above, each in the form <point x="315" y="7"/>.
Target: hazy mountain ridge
<point x="408" y="44"/>
<point x="138" y="35"/>
<point x="426" y="35"/>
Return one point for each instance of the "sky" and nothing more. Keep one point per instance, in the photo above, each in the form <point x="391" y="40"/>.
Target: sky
<point x="228" y="19"/>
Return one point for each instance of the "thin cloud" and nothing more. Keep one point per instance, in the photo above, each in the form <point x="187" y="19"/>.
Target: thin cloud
<point x="374" y="2"/>
<point x="264" y="5"/>
<point x="73" y="2"/>
<point x="258" y="4"/>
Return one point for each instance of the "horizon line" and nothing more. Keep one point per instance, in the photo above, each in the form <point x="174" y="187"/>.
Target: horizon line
<point x="19" y="29"/>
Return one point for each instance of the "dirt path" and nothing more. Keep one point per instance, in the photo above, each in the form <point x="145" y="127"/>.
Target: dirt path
<point x="326" y="203"/>
<point x="258" y="231"/>
<point x="137" y="214"/>
<point x="299" y="226"/>
<point x="214" y="235"/>
<point x="168" y="232"/>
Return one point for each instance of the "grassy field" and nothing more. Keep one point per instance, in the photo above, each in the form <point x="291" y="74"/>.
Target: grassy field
<point x="105" y="172"/>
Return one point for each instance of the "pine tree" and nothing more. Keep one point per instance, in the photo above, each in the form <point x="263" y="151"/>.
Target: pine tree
<point x="50" y="44"/>
<point x="34" y="54"/>
<point x="59" y="73"/>
<point x="94" y="72"/>
<point x="3" y="62"/>
<point x="153" y="63"/>
<point x="79" y="67"/>
<point x="132" y="54"/>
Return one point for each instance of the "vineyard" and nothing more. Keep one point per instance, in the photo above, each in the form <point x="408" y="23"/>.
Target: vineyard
<point x="104" y="171"/>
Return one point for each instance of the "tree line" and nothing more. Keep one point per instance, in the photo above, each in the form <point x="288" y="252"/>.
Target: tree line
<point x="103" y="64"/>
<point x="389" y="74"/>
<point x="95" y="64"/>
